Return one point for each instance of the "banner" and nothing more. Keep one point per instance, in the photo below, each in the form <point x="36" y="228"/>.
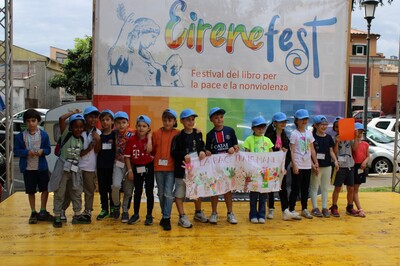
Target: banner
<point x="248" y="171"/>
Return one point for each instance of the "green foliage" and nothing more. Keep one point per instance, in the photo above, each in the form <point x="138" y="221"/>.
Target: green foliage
<point x="77" y="69"/>
<point x="358" y="3"/>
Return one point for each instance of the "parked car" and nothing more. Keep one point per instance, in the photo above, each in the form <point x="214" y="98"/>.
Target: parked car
<point x="359" y="114"/>
<point x="385" y="124"/>
<point x="381" y="151"/>
<point x="18" y="122"/>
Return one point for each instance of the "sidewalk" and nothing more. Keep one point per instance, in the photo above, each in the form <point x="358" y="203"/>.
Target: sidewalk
<point x="376" y="180"/>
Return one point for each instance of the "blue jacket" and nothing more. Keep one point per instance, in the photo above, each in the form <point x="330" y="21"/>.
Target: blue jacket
<point x="21" y="151"/>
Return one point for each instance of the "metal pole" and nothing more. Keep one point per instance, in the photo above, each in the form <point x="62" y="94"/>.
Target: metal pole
<point x="365" y="117"/>
<point x="395" y="179"/>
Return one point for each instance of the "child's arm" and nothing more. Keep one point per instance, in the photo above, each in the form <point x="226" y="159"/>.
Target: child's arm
<point x="46" y="149"/>
<point x="149" y="144"/>
<point x="97" y="141"/>
<point x="61" y="120"/>
<point x="20" y="149"/>
<point x="333" y="156"/>
<point x="364" y="163"/>
<point x="336" y="146"/>
<point x="294" y="165"/>
<point x="315" y="164"/>
<point x="129" y="171"/>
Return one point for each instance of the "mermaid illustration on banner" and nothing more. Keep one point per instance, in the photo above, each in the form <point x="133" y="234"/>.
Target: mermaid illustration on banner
<point x="130" y="61"/>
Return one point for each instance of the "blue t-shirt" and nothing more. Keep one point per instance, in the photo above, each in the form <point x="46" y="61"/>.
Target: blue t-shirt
<point x="322" y="147"/>
<point x="106" y="155"/>
<point x="219" y="141"/>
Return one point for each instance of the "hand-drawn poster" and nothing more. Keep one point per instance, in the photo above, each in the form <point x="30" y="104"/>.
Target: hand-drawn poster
<point x="248" y="171"/>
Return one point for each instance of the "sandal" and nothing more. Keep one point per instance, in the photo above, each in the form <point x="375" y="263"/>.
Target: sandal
<point x="361" y="213"/>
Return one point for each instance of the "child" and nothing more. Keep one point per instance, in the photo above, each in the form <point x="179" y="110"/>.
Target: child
<point x="345" y="174"/>
<point x="361" y="157"/>
<point x="67" y="177"/>
<point x="105" y="163"/>
<point x="189" y="142"/>
<point x="32" y="145"/>
<point x="221" y="139"/>
<point x="276" y="133"/>
<point x="123" y="134"/>
<point x="258" y="143"/>
<point x="140" y="170"/>
<point x="164" y="165"/>
<point x="323" y="145"/>
<point x="302" y="150"/>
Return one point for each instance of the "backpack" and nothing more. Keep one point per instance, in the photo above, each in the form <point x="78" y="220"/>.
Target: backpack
<point x="60" y="144"/>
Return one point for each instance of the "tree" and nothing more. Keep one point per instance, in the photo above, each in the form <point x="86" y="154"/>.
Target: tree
<point x="359" y="2"/>
<point x="77" y="68"/>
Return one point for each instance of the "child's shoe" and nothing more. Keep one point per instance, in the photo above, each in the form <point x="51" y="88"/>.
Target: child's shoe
<point x="87" y="215"/>
<point x="214" y="218"/>
<point x="295" y="215"/>
<point x="350" y="210"/>
<point x="287" y="215"/>
<point x="45" y="216"/>
<point x="167" y="224"/>
<point x="325" y="213"/>
<point x="270" y="214"/>
<point x="184" y="221"/>
<point x="80" y="219"/>
<point x="134" y="219"/>
<point x="316" y="212"/>
<point x="57" y="222"/>
<point x="254" y="220"/>
<point x="103" y="214"/>
<point x="116" y="212"/>
<point x="261" y="220"/>
<point x="111" y="214"/>
<point x="124" y="217"/>
<point x="149" y="220"/>
<point x="63" y="218"/>
<point x="201" y="217"/>
<point x="231" y="218"/>
<point x="33" y="218"/>
<point x="306" y="214"/>
<point x="334" y="211"/>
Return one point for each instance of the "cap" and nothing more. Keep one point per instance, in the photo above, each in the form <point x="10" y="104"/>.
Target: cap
<point x="279" y="117"/>
<point x="76" y="117"/>
<point x="301" y="114"/>
<point x="319" y="119"/>
<point x="186" y="113"/>
<point x="359" y="126"/>
<point x="143" y="118"/>
<point x="171" y="111"/>
<point x="107" y="111"/>
<point x="91" y="109"/>
<point x="216" y="110"/>
<point x="257" y="121"/>
<point x="120" y="115"/>
<point x="338" y="118"/>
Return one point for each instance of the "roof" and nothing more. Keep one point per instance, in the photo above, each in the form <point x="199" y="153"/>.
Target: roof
<point x="360" y="32"/>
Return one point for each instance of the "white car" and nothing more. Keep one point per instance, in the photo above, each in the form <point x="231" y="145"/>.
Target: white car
<point x="385" y="124"/>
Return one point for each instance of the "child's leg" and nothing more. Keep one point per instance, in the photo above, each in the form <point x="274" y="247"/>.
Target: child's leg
<point x="59" y="194"/>
<point x="325" y="179"/>
<point x="355" y="197"/>
<point x="262" y="205"/>
<point x="89" y="186"/>
<point x="76" y="198"/>
<point x="161" y="179"/>
<point x="214" y="203"/>
<point x="128" y="190"/>
<point x="31" y="181"/>
<point x="43" y="183"/>
<point x="103" y="189"/>
<point x="314" y="185"/>
<point x="335" y="194"/>
<point x="169" y="182"/>
<point x="31" y="198"/>
<point x="180" y="191"/>
<point x="294" y="191"/>
<point x="149" y="179"/>
<point x="350" y="194"/>
<point x="271" y="200"/>
<point x="253" y="205"/>
<point x="138" y="182"/>
<point x="179" y="205"/>
<point x="305" y="185"/>
<point x="228" y="201"/>
<point x="283" y="195"/>
<point x="118" y="175"/>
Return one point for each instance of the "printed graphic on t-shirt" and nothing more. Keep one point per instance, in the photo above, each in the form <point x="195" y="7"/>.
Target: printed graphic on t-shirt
<point x="304" y="145"/>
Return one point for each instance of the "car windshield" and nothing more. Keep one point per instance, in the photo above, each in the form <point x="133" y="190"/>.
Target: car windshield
<point x="378" y="136"/>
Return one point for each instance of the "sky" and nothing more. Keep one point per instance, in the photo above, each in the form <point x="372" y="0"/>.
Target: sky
<point x="41" y="24"/>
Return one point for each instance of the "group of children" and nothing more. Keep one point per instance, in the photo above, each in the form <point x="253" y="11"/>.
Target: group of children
<point x="125" y="160"/>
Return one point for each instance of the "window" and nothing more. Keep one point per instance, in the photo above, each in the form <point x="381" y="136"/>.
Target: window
<point x="358" y="86"/>
<point x="359" y="49"/>
<point x="382" y="124"/>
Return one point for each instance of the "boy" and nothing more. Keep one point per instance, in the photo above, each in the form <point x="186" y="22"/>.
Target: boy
<point x="105" y="163"/>
<point x="221" y="139"/>
<point x="187" y="143"/>
<point x="32" y="145"/>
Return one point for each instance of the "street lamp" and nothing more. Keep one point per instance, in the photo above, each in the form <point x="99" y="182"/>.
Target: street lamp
<point x="369" y="8"/>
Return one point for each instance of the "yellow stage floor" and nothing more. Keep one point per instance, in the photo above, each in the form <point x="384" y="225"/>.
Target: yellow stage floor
<point x="374" y="240"/>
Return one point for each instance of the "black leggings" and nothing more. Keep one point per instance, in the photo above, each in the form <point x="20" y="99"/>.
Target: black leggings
<point x="104" y="176"/>
<point x="283" y="196"/>
<point x="300" y="182"/>
<point x="146" y="178"/>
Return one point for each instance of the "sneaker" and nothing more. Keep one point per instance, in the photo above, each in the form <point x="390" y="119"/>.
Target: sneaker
<point x="116" y="212"/>
<point x="124" y="217"/>
<point x="295" y="215"/>
<point x="88" y="216"/>
<point x="103" y="214"/>
<point x="201" y="217"/>
<point x="167" y="224"/>
<point x="184" y="221"/>
<point x="63" y="218"/>
<point x="80" y="219"/>
<point x="231" y="218"/>
<point x="287" y="215"/>
<point x="254" y="220"/>
<point x="316" y="212"/>
<point x="162" y="222"/>
<point x="325" y="213"/>
<point x="57" y="222"/>
<point x="45" y="216"/>
<point x="334" y="211"/>
<point x="214" y="218"/>
<point x="261" y="220"/>
<point x="351" y="211"/>
<point x="33" y="218"/>
<point x="149" y="220"/>
<point x="134" y="219"/>
<point x="270" y="214"/>
<point x="306" y="214"/>
<point x="111" y="214"/>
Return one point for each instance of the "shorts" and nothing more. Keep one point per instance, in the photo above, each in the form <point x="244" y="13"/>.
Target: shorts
<point x="344" y="176"/>
<point x="34" y="179"/>
<point x="180" y="188"/>
<point x="359" y="178"/>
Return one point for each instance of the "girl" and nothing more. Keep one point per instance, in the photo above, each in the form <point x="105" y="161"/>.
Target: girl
<point x="302" y="150"/>
<point x="323" y="145"/>
<point x="276" y="133"/>
<point x="140" y="169"/>
<point x="164" y="165"/>
<point x="258" y="143"/>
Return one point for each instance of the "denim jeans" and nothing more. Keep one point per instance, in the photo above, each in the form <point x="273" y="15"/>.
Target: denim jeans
<point x="165" y="183"/>
<point x="262" y="200"/>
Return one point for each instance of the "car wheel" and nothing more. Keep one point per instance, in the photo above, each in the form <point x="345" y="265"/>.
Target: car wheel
<point x="382" y="166"/>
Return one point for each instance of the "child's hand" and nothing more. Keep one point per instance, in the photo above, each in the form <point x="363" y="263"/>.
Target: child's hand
<point x="236" y="148"/>
<point x="363" y="165"/>
<point x="187" y="158"/>
<point x="202" y="155"/>
<point x="337" y="166"/>
<point x="130" y="175"/>
<point x="95" y="136"/>
<point x="208" y="153"/>
<point x="39" y="152"/>
<point x="149" y="147"/>
<point x="283" y="149"/>
<point x="231" y="150"/>
<point x="295" y="169"/>
<point x="32" y="153"/>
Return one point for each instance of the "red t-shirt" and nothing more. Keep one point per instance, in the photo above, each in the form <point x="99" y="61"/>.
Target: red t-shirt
<point x="136" y="150"/>
<point x="361" y="153"/>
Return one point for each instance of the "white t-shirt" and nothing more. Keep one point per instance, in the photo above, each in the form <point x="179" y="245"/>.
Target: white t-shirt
<point x="88" y="162"/>
<point x="302" y="150"/>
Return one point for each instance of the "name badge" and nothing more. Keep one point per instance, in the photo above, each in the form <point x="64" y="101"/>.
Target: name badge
<point x="120" y="164"/>
<point x="193" y="155"/>
<point x="360" y="171"/>
<point x="321" y="156"/>
<point x="341" y="158"/>
<point x="163" y="162"/>
<point x="74" y="168"/>
<point x="141" y="169"/>
<point x="106" y="146"/>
